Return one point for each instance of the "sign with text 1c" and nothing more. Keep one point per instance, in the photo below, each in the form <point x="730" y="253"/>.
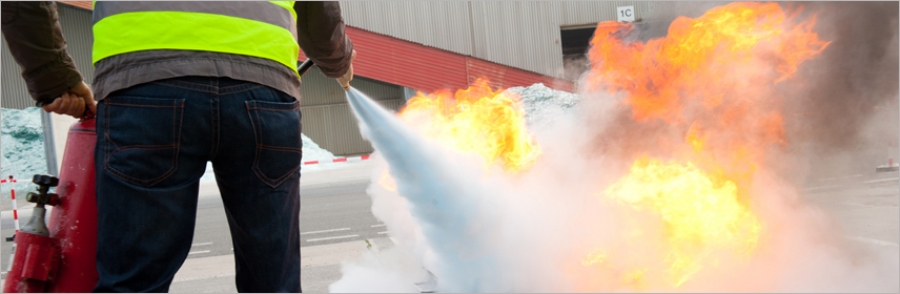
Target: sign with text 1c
<point x="625" y="13"/>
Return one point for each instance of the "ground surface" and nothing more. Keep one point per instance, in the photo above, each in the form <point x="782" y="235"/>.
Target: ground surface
<point x="336" y="218"/>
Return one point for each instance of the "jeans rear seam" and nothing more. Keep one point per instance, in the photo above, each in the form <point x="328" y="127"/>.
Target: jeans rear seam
<point x="143" y="105"/>
<point x="254" y="87"/>
<point x="185" y="88"/>
<point x="216" y="124"/>
<point x="273" y="109"/>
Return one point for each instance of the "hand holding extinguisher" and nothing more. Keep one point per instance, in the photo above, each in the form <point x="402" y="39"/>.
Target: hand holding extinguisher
<point x="76" y="102"/>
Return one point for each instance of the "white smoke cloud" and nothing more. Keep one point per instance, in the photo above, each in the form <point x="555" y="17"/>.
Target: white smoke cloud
<point x="485" y="230"/>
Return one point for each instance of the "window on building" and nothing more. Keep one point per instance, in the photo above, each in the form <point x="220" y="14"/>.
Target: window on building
<point x="575" y="42"/>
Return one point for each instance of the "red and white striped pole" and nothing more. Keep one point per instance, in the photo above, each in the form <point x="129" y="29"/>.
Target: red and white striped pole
<point x="339" y="159"/>
<point x="15" y="207"/>
<point x="12" y="193"/>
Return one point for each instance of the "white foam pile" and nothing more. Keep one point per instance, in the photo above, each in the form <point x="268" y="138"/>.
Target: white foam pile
<point x="544" y="105"/>
<point x="312" y="151"/>
<point x="22" y="145"/>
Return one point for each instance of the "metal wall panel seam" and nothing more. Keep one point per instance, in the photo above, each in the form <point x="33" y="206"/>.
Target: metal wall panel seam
<point x="15" y="92"/>
<point x="313" y="121"/>
<point x="76" y="24"/>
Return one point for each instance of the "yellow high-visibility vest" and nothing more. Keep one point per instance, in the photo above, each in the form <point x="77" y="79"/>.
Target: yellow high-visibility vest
<point x="259" y="29"/>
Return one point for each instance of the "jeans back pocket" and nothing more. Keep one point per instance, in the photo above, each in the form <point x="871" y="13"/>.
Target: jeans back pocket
<point x="276" y="126"/>
<point x="142" y="138"/>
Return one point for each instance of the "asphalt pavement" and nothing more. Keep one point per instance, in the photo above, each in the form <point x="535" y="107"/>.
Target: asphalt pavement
<point x="336" y="221"/>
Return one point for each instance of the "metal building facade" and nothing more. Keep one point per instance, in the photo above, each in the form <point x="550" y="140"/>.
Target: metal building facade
<point x="327" y="118"/>
<point x="521" y="34"/>
<point x="14" y="93"/>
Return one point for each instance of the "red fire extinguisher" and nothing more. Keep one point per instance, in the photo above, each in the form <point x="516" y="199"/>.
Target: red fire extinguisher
<point x="61" y="258"/>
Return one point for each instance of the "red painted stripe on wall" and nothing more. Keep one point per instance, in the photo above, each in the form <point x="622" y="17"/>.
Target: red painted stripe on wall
<point x="80" y="4"/>
<point x="425" y="68"/>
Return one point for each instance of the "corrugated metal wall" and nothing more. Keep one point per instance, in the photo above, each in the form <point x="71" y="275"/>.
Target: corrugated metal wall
<point x="406" y="63"/>
<point x="14" y="93"/>
<point x="515" y="33"/>
<point x="440" y="24"/>
<point x="76" y="25"/>
<point x="427" y="69"/>
<point x="327" y="118"/>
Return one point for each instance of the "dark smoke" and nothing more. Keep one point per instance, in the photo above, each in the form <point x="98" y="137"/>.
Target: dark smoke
<point x="852" y="85"/>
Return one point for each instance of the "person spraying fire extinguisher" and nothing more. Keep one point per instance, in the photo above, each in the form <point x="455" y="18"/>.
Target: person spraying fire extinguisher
<point x="172" y="79"/>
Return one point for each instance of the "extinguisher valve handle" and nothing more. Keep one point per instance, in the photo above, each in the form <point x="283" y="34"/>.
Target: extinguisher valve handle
<point x="45" y="180"/>
<point x="43" y="196"/>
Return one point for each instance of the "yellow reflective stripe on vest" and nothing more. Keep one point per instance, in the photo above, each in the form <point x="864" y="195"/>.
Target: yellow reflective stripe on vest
<point x="126" y="32"/>
<point x="274" y="13"/>
<point x="193" y="31"/>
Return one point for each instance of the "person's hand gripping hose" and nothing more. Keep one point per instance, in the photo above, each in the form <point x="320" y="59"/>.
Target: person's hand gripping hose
<point x="347" y="77"/>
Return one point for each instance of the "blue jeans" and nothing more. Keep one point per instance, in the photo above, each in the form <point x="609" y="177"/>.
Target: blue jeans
<point x="153" y="143"/>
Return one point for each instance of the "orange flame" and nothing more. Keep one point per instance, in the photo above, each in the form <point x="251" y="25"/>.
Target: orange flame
<point x="487" y="122"/>
<point x="697" y="56"/>
<point x="479" y="120"/>
<point x="713" y="73"/>
<point x="712" y="78"/>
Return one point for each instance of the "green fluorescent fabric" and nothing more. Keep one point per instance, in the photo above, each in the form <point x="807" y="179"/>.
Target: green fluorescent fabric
<point x="124" y="32"/>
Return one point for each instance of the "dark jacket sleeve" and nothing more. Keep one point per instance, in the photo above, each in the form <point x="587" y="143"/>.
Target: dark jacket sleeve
<point x="35" y="39"/>
<point x="320" y="32"/>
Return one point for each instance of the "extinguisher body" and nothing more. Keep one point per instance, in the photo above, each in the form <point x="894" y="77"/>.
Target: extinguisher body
<point x="60" y="257"/>
<point x="73" y="222"/>
<point x="35" y="264"/>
